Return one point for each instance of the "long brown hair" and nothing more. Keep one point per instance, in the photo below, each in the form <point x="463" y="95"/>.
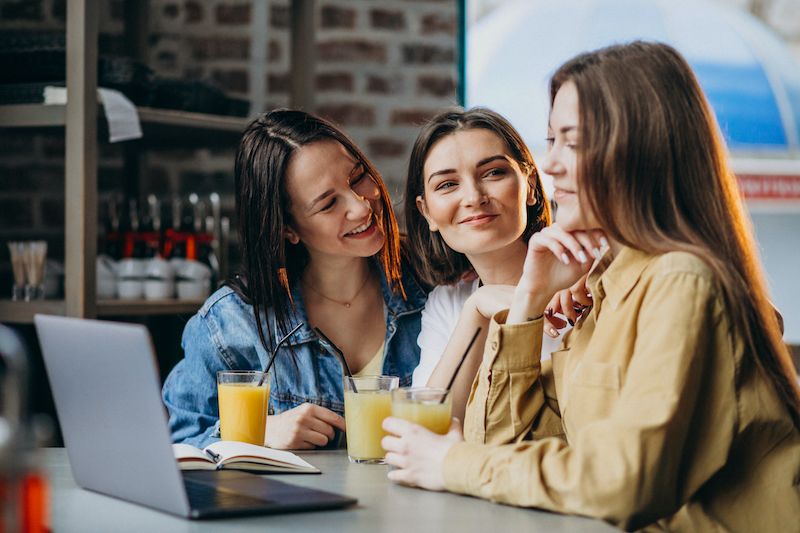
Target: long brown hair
<point x="652" y="168"/>
<point x="434" y="261"/>
<point x="269" y="266"/>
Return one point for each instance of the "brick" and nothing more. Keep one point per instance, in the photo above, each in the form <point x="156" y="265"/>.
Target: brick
<point x="17" y="179"/>
<point x="51" y="211"/>
<point x="439" y="86"/>
<point x="16" y="213"/>
<point x="237" y="81"/>
<point x="384" y="85"/>
<point x="204" y="48"/>
<point x="274" y="50"/>
<point x="352" y="50"/>
<point x="337" y="17"/>
<point x="411" y="117"/>
<point x="438" y="23"/>
<point x="233" y="15"/>
<point x="278" y="83"/>
<point x="386" y="147"/>
<point x="384" y="19"/>
<point x="23" y="10"/>
<point x="427" y="54"/>
<point x="335" y="81"/>
<point x="348" y="114"/>
<point x="280" y="17"/>
<point x="195" y="12"/>
<point x="170" y="11"/>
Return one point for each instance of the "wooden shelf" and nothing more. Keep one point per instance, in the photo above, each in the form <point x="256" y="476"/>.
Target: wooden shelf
<point x="160" y="127"/>
<point x="22" y="312"/>
<point x="147" y="307"/>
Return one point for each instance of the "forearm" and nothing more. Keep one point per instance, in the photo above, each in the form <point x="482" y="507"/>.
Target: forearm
<point x="469" y="321"/>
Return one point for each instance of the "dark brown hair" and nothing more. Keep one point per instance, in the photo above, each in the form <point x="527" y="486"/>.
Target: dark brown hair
<point x="434" y="261"/>
<point x="653" y="170"/>
<point x="269" y="266"/>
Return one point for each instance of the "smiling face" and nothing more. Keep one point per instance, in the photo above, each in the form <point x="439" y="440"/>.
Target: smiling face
<point x="475" y="192"/>
<point x="335" y="205"/>
<point x="561" y="161"/>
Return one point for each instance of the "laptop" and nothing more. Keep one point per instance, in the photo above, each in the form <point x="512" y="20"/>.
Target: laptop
<point x="107" y="393"/>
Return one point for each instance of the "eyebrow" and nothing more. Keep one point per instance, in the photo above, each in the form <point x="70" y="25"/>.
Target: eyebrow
<point x="327" y="193"/>
<point x="477" y="165"/>
<point x="564" y="129"/>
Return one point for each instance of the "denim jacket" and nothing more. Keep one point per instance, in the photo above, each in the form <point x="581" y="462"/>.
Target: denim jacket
<point x="223" y="336"/>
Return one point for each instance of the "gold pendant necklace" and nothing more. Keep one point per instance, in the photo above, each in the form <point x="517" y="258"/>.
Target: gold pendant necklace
<point x="346" y="304"/>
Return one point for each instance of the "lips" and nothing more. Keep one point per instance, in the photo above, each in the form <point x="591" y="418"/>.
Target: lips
<point x="362" y="229"/>
<point x="476" y="220"/>
<point x="561" y="194"/>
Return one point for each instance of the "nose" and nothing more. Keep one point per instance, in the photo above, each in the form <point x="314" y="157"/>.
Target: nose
<point x="358" y="207"/>
<point x="550" y="163"/>
<point x="474" y="193"/>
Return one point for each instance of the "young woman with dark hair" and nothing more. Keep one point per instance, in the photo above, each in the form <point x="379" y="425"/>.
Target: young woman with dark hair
<point x="473" y="199"/>
<point x="673" y="404"/>
<point x="320" y="247"/>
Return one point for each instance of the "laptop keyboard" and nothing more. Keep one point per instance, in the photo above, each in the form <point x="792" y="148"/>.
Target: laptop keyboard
<point x="202" y="496"/>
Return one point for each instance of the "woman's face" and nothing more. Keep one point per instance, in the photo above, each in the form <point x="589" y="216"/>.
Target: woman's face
<point x="335" y="205"/>
<point x="476" y="194"/>
<point x="561" y="161"/>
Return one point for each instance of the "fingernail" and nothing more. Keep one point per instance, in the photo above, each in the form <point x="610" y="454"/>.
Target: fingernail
<point x="565" y="259"/>
<point x="582" y="257"/>
<point x="553" y="332"/>
<point x="604" y="241"/>
<point x="571" y="323"/>
<point x="549" y="311"/>
<point x="596" y="252"/>
<point x="588" y="294"/>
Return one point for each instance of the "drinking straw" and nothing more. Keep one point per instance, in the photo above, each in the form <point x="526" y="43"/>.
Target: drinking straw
<point x="340" y="355"/>
<point x="275" y="352"/>
<point x="463" y="357"/>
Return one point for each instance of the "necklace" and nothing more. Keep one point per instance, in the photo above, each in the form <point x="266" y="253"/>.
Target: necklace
<point x="347" y="304"/>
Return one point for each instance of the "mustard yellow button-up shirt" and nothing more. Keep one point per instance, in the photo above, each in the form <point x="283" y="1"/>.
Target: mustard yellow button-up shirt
<point x="651" y="415"/>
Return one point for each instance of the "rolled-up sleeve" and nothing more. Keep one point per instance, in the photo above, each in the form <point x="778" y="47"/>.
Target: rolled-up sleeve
<point x="649" y="456"/>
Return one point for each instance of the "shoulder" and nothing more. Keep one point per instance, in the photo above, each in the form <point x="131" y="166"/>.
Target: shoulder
<point x="680" y="263"/>
<point x="224" y="312"/>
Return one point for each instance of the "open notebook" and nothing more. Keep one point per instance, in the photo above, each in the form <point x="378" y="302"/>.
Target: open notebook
<point x="233" y="455"/>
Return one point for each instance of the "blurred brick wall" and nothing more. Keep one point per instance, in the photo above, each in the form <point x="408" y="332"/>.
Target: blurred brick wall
<point x="383" y="68"/>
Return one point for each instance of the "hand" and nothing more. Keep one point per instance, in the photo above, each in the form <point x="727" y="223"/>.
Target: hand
<point x="418" y="453"/>
<point x="556" y="260"/>
<point x="305" y="427"/>
<point x="490" y="299"/>
<point x="570" y="303"/>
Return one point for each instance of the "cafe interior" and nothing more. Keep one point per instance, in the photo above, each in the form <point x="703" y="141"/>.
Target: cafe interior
<point x="119" y="124"/>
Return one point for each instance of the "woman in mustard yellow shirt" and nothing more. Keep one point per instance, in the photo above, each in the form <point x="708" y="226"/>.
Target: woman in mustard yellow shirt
<point x="673" y="404"/>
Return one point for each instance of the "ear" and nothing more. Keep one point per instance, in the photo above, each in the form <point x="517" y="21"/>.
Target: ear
<point x="290" y="235"/>
<point x="422" y="207"/>
<point x="531" y="200"/>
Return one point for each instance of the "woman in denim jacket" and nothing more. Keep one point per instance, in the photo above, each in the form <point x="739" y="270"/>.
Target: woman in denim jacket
<point x="321" y="248"/>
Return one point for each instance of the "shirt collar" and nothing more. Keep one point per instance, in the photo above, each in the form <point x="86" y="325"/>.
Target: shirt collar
<point x="614" y="277"/>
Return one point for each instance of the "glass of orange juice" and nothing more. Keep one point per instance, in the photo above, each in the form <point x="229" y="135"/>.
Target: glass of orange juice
<point x="429" y="407"/>
<point x="367" y="401"/>
<point x="243" y="400"/>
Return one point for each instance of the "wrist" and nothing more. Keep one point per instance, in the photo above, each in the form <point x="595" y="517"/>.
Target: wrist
<point x="526" y="306"/>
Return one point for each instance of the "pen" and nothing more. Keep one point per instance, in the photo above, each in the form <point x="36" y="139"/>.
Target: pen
<point x="214" y="456"/>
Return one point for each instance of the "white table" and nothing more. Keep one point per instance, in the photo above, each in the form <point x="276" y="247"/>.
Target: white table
<point x="382" y="506"/>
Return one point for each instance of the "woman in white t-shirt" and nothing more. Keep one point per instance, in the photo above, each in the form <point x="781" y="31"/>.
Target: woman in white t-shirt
<point x="473" y="198"/>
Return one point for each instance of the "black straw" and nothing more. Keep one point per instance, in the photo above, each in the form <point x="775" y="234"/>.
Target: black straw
<point x="340" y="355"/>
<point x="275" y="351"/>
<point x="463" y="358"/>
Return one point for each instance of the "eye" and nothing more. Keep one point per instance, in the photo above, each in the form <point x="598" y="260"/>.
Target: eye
<point x="550" y="141"/>
<point x="328" y="206"/>
<point x="445" y="185"/>
<point x="495" y="172"/>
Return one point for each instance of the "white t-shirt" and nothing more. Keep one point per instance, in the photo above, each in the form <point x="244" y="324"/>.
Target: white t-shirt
<point x="439" y="319"/>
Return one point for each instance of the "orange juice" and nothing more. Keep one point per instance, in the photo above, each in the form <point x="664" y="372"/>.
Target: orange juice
<point x="433" y="415"/>
<point x="243" y="411"/>
<point x="364" y="413"/>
